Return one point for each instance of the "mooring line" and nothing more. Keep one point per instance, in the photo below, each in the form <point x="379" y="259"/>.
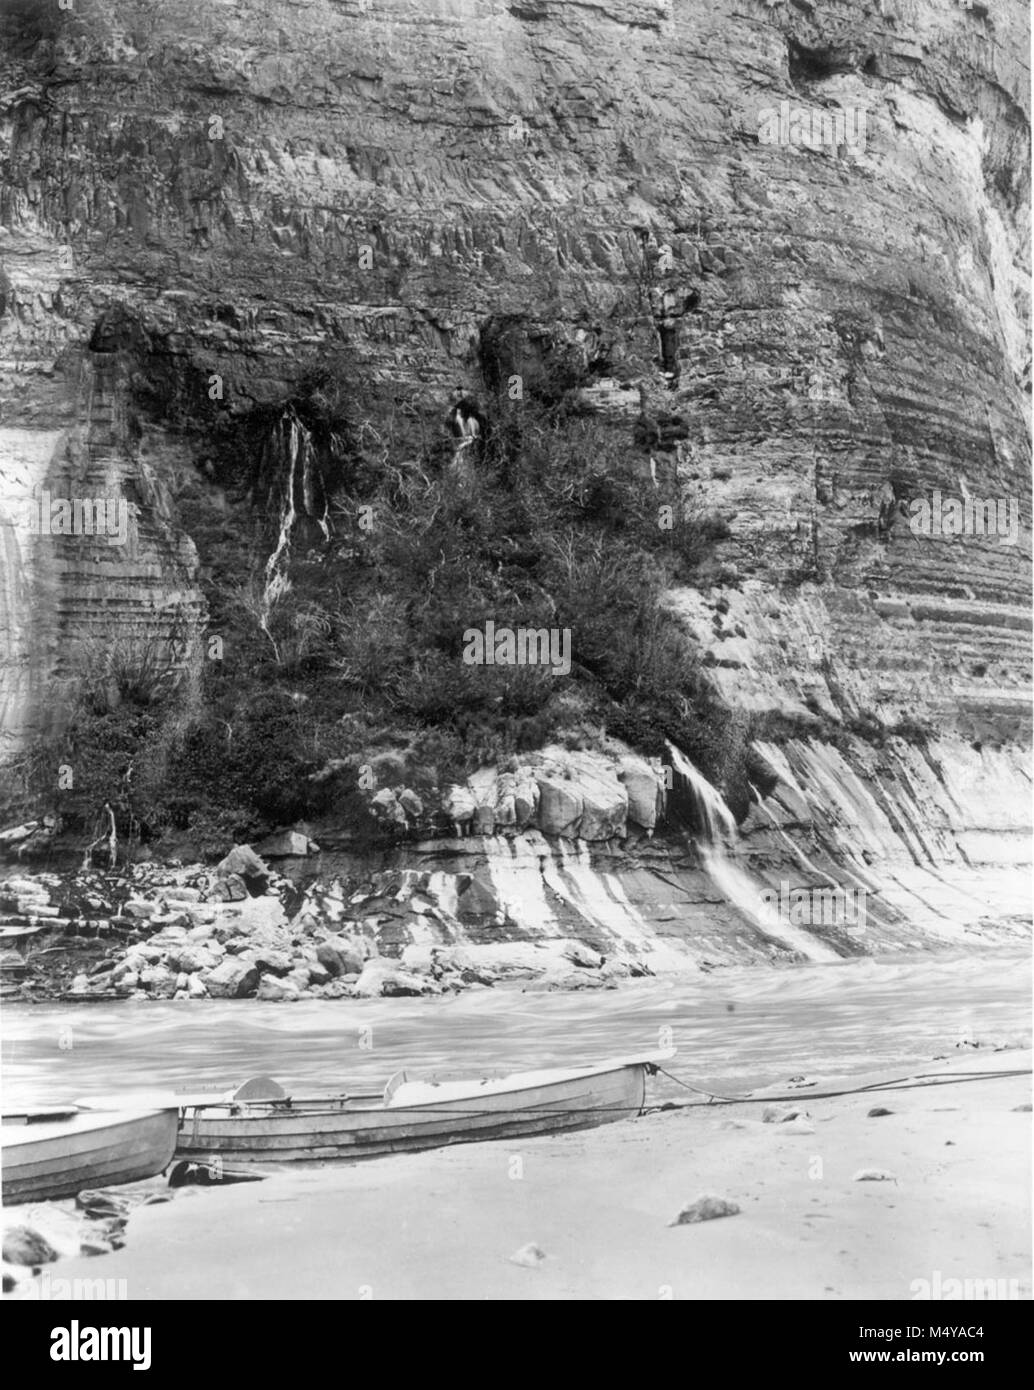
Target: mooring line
<point x="916" y="1081"/>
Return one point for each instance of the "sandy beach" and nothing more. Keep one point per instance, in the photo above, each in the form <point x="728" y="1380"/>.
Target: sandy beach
<point x="446" y="1224"/>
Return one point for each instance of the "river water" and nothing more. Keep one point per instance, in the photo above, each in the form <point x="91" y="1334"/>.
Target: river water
<point x="733" y="1030"/>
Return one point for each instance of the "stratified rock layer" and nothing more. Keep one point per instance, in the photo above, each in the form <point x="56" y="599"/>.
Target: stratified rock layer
<point x="210" y="196"/>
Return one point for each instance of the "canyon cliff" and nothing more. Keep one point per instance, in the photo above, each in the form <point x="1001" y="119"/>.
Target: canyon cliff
<point x="795" y="340"/>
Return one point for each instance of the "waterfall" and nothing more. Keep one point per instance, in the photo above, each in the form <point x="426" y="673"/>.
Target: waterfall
<point x="291" y="444"/>
<point x="733" y="882"/>
<point x="715" y="816"/>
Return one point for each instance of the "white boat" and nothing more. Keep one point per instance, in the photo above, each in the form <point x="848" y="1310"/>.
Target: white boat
<point x="261" y="1123"/>
<point x="56" y="1153"/>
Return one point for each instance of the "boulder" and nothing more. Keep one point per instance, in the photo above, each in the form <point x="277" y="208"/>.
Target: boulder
<point x="190" y="959"/>
<point x="560" y="806"/>
<point x="243" y="862"/>
<point x="231" y="889"/>
<point x="176" y="896"/>
<point x="644" y="790"/>
<point x="615" y="970"/>
<point x="274" y="991"/>
<point x="705" y="1208"/>
<point x="12" y="963"/>
<point x="525" y="800"/>
<point x="459" y="805"/>
<point x="484" y="820"/>
<point x="99" y="1204"/>
<point x="379" y="978"/>
<point x="530" y="1256"/>
<point x="233" y="979"/>
<point x="604" y="805"/>
<point x="584" y="956"/>
<point x="340" y="956"/>
<point x="196" y="987"/>
<point x="94" y="1245"/>
<point x="336" y="989"/>
<point x="139" y="908"/>
<point x="781" y="1114"/>
<point x="411" y="803"/>
<point x="229" y="928"/>
<point x="386" y="809"/>
<point x="158" y="980"/>
<point x="142" y="955"/>
<point x="24" y="1246"/>
<point x="273" y="962"/>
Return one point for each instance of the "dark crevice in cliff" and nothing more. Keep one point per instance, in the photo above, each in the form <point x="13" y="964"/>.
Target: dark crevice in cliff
<point x="807" y="66"/>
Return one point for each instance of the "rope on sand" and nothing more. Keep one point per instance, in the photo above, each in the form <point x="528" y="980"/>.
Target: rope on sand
<point x="904" y="1083"/>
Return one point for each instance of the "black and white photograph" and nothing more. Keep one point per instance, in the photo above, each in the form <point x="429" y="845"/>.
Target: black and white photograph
<point x="515" y="666"/>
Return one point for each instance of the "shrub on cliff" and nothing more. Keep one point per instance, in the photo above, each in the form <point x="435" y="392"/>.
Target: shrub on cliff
<point x="353" y="556"/>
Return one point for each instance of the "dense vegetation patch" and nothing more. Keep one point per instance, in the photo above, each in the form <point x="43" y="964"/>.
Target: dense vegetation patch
<point x="346" y="548"/>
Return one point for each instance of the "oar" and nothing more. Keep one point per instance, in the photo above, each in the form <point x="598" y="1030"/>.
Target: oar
<point x="150" y="1100"/>
<point x="35" y="1117"/>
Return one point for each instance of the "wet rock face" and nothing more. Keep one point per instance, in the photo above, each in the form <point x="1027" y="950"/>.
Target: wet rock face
<point x="216" y="191"/>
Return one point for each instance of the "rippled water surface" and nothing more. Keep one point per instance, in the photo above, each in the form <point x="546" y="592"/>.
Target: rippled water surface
<point x="736" y="1029"/>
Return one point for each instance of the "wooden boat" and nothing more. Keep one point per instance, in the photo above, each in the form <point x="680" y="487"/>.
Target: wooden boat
<point x="260" y="1123"/>
<point x="57" y="1153"/>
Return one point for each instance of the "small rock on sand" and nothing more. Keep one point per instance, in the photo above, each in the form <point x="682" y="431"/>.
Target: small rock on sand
<point x="874" y="1175"/>
<point x="877" y="1111"/>
<point x="95" y="1247"/>
<point x="97" y="1203"/>
<point x="530" y="1256"/>
<point x="24" y="1246"/>
<point x="780" y="1115"/>
<point x="705" y="1209"/>
<point x="1022" y="1109"/>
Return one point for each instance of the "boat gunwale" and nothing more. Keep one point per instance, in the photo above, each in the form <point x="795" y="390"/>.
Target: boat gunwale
<point x="16" y="1134"/>
<point x="556" y="1077"/>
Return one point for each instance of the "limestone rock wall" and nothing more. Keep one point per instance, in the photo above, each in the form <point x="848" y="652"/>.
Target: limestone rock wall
<point x="253" y="182"/>
<point x="246" y="185"/>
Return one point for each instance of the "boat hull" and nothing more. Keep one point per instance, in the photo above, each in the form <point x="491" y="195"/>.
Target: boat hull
<point x="269" y="1132"/>
<point x="51" y="1160"/>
